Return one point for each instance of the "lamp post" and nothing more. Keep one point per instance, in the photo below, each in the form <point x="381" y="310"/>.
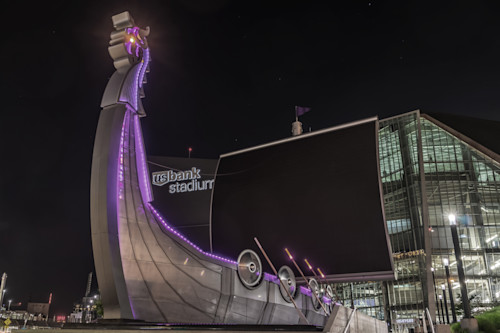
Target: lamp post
<point x="10" y="301"/>
<point x="441" y="306"/>
<point x="435" y="293"/>
<point x="445" y="304"/>
<point x="450" y="291"/>
<point x="460" y="267"/>
<point x="3" y="296"/>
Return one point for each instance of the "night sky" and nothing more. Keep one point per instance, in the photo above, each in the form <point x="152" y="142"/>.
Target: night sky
<point x="224" y="75"/>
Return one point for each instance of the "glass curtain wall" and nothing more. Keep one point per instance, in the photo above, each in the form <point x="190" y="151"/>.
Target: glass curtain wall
<point x="462" y="181"/>
<point x="459" y="180"/>
<point x="401" y="185"/>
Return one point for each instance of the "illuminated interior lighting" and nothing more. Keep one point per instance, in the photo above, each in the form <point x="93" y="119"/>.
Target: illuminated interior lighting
<point x="132" y="40"/>
<point x="179" y="235"/>
<point x="491" y="238"/>
<point x="452" y="218"/>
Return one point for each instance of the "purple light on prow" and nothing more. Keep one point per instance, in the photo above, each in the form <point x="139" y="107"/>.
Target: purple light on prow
<point x="119" y="184"/>
<point x="144" y="67"/>
<point x="178" y="234"/>
<point x="142" y="169"/>
<point x="137" y="44"/>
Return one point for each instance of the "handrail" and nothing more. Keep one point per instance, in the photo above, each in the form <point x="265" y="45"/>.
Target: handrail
<point x="349" y="321"/>
<point x="426" y="312"/>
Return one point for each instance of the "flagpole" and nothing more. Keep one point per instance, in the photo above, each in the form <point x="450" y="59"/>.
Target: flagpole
<point x="296" y="125"/>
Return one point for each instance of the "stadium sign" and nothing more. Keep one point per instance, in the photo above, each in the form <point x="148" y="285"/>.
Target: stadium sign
<point x="193" y="178"/>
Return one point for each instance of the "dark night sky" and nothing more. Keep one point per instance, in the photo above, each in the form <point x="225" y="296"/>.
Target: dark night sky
<point x="224" y="75"/>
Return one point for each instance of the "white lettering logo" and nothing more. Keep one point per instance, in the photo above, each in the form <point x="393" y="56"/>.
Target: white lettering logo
<point x="164" y="177"/>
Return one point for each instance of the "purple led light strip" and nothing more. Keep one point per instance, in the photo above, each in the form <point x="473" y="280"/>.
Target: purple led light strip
<point x="121" y="181"/>
<point x="271" y="278"/>
<point x="178" y="234"/>
<point x="144" y="184"/>
<point x="305" y="291"/>
<point x="120" y="160"/>
<point x="139" y="78"/>
<point x="145" y="59"/>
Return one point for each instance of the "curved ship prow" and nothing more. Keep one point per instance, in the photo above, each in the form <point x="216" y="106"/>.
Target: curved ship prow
<point x="145" y="268"/>
<point x="149" y="271"/>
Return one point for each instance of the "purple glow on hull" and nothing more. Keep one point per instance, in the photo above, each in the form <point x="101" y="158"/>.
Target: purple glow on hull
<point x="271" y="278"/>
<point x="305" y="291"/>
<point x="120" y="183"/>
<point x="179" y="235"/>
<point x="140" y="157"/>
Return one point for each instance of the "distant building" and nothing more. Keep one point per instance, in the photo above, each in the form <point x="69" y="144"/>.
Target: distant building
<point x="38" y="309"/>
<point x="87" y="309"/>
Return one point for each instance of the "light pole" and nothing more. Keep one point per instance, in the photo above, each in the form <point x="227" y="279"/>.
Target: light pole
<point x="435" y="293"/>
<point x="3" y="296"/>
<point x="10" y="301"/>
<point x="445" y="304"/>
<point x="450" y="291"/>
<point x="460" y="267"/>
<point x="441" y="306"/>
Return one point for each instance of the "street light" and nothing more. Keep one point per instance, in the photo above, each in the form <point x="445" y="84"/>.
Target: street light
<point x="3" y="295"/>
<point x="441" y="306"/>
<point x="452" y="301"/>
<point x="10" y="301"/>
<point x="435" y="293"/>
<point x="445" y="304"/>
<point x="460" y="267"/>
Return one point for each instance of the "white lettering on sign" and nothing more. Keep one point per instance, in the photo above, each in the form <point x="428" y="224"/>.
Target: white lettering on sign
<point x="164" y="177"/>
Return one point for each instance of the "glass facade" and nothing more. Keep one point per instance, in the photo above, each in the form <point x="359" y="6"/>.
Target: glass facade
<point x="419" y="159"/>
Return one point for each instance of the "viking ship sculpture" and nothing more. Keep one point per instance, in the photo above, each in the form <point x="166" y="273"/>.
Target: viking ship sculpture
<point x="146" y="269"/>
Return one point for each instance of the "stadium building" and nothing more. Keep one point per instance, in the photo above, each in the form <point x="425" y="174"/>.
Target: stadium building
<point x="428" y="170"/>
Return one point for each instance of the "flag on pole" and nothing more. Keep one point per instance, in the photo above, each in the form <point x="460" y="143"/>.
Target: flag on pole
<point x="300" y="110"/>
